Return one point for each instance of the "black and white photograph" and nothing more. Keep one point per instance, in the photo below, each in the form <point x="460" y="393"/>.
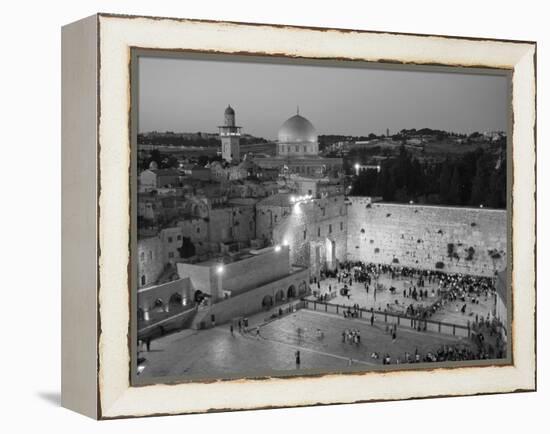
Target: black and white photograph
<point x="275" y="216"/>
<point x="298" y="217"/>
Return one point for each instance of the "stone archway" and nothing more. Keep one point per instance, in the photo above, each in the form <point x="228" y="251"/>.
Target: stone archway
<point x="267" y="302"/>
<point x="158" y="305"/>
<point x="291" y="292"/>
<point x="175" y="299"/>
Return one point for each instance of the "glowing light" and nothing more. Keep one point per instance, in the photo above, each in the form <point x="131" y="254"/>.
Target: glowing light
<point x="296" y="208"/>
<point x="298" y="199"/>
<point x="357" y="166"/>
<point x="285" y="242"/>
<point x="277" y="248"/>
<point x="220" y="269"/>
<point x="411" y="202"/>
<point x="481" y="206"/>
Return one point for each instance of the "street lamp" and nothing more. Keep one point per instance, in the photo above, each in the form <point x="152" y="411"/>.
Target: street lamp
<point x="219" y="270"/>
<point x="357" y="169"/>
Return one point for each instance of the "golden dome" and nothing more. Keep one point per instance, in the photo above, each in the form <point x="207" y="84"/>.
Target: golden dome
<point x="297" y="129"/>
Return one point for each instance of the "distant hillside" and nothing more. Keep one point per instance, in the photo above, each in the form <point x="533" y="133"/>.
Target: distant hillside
<point x="199" y="139"/>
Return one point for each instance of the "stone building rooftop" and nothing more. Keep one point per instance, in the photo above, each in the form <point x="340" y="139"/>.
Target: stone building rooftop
<point x="279" y="199"/>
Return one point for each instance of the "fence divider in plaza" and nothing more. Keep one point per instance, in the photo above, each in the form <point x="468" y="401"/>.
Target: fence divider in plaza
<point x="419" y="324"/>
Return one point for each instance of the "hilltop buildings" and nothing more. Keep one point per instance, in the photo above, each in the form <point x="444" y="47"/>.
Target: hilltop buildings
<point x="269" y="223"/>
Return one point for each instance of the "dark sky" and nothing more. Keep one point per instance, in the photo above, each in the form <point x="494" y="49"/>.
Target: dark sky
<point x="188" y="95"/>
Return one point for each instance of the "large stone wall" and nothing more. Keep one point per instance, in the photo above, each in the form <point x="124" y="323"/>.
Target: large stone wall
<point x="421" y="236"/>
<point x="239" y="276"/>
<point x="253" y="301"/>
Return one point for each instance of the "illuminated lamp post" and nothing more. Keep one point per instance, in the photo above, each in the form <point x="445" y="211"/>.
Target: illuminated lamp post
<point x="219" y="270"/>
<point x="357" y="167"/>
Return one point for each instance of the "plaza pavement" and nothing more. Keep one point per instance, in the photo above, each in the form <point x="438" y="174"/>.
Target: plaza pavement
<point x="218" y="353"/>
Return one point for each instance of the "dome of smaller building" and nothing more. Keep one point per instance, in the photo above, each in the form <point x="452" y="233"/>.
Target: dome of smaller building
<point x="229" y="110"/>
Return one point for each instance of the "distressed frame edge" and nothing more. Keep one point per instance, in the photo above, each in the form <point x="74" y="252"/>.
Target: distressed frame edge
<point x="528" y="385"/>
<point x="79" y="217"/>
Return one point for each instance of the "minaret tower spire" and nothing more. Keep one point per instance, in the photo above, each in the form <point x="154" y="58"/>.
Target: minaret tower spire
<point x="230" y="136"/>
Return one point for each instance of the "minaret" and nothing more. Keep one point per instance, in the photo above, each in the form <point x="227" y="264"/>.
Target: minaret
<point x="230" y="137"/>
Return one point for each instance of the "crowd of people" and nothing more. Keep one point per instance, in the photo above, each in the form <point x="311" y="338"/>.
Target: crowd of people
<point x="456" y="283"/>
<point x="460" y="289"/>
<point x="428" y="291"/>
<point x="444" y="353"/>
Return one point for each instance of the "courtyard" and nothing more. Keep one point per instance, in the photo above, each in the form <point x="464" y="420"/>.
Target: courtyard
<point x="270" y="345"/>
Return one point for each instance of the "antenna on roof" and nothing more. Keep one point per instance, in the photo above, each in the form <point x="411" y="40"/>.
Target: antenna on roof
<point x="297" y="109"/>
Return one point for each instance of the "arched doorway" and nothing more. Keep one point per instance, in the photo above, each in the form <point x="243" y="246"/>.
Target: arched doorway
<point x="158" y="305"/>
<point x="267" y="302"/>
<point x="175" y="300"/>
<point x="291" y="292"/>
<point x="279" y="296"/>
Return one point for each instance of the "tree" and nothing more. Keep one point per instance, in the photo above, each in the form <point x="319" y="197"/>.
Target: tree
<point x="445" y="182"/>
<point x="156" y="157"/>
<point x="479" y="184"/>
<point x="454" y="188"/>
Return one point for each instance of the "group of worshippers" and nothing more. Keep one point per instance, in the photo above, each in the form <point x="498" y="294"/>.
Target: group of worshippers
<point x="351" y="336"/>
<point x="352" y="311"/>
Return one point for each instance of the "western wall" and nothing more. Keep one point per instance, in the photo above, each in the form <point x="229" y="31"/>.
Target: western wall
<point x="450" y="239"/>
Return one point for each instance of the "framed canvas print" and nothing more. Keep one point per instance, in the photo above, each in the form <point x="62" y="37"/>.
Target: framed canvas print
<point x="260" y="216"/>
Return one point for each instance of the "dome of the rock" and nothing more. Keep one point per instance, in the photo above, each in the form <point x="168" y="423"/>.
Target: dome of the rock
<point x="297" y="129"/>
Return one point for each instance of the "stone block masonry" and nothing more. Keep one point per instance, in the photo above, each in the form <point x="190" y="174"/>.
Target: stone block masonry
<point x="450" y="239"/>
